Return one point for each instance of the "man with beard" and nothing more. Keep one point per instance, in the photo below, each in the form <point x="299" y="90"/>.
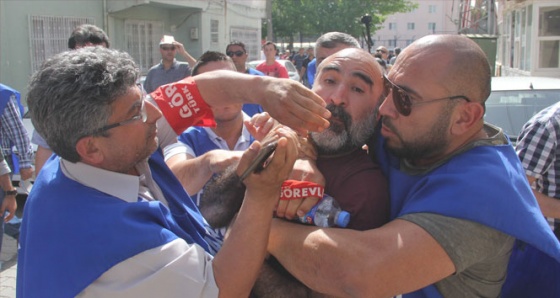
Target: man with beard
<point x="351" y="84"/>
<point x="460" y="201"/>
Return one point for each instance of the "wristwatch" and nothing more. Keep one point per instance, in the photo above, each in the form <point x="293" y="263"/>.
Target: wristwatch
<point x="10" y="192"/>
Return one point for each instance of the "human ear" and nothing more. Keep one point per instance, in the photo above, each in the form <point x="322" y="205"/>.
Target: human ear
<point x="89" y="151"/>
<point x="466" y="116"/>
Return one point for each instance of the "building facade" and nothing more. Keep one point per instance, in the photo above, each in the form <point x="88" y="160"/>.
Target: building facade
<point x="431" y="17"/>
<point x="529" y="39"/>
<point x="31" y="31"/>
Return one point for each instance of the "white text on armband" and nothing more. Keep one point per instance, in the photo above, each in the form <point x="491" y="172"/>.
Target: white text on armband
<point x="177" y="100"/>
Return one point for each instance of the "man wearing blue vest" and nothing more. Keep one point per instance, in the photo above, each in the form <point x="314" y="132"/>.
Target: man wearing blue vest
<point x="106" y="216"/>
<point x="203" y="151"/>
<point x="464" y="221"/>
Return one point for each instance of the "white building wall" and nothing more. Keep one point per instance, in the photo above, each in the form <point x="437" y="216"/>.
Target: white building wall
<point x="401" y="29"/>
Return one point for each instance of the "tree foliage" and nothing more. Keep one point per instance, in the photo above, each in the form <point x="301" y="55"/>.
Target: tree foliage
<point x="312" y="18"/>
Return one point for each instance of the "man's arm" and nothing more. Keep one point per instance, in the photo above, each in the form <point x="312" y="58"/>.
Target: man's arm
<point x="245" y="247"/>
<point x="17" y="134"/>
<point x="9" y="203"/>
<point x="397" y="258"/>
<point x="550" y="206"/>
<point x="41" y="157"/>
<point x="287" y="101"/>
<point x="194" y="172"/>
<point x="183" y="52"/>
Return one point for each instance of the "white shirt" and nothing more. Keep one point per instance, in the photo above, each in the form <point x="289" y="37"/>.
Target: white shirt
<point x="242" y="144"/>
<point x="175" y="269"/>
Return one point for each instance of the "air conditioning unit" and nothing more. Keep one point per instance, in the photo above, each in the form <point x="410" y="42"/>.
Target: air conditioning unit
<point x="194" y="33"/>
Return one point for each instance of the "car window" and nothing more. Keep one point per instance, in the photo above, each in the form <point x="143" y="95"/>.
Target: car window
<point x="290" y="66"/>
<point x="510" y="110"/>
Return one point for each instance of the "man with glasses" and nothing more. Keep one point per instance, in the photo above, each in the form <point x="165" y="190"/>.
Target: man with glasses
<point x="123" y="225"/>
<point x="237" y="52"/>
<point x="463" y="217"/>
<point x="169" y="69"/>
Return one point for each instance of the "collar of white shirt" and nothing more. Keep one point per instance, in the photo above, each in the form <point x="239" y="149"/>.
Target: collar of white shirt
<point x="123" y="186"/>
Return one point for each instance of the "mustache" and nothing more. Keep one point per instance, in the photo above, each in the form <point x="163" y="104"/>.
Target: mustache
<point x="339" y="112"/>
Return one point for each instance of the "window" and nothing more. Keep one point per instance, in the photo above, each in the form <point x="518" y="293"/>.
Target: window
<point x="549" y="37"/>
<point x="251" y="38"/>
<point x="432" y="9"/>
<point x="392" y="26"/>
<point x="410" y="26"/>
<point x="392" y="43"/>
<point x="432" y="27"/>
<point x="49" y="36"/>
<point x="214" y="31"/>
<point x="142" y="42"/>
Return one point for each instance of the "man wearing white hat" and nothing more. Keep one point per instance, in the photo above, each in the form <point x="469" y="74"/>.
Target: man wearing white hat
<point x="169" y="69"/>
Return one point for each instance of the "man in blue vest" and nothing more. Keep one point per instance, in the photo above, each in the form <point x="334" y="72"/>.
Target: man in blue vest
<point x="14" y="135"/>
<point x="107" y="218"/>
<point x="463" y="217"/>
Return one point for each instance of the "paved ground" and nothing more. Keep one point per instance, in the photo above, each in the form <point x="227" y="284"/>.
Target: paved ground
<point x="8" y="267"/>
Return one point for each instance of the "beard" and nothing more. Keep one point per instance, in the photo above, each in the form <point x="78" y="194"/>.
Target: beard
<point x="424" y="146"/>
<point x="344" y="135"/>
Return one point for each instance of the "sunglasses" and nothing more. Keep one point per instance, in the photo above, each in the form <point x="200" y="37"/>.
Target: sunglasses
<point x="384" y="52"/>
<point x="236" y="53"/>
<point x="402" y="101"/>
<point x="168" y="48"/>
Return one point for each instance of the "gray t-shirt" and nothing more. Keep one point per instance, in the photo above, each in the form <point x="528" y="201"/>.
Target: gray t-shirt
<point x="480" y="262"/>
<point x="158" y="76"/>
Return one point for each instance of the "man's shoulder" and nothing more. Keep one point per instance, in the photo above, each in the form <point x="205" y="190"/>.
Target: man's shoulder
<point x="153" y="69"/>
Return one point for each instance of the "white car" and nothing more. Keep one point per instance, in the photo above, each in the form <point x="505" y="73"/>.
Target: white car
<point x="514" y="100"/>
<point x="292" y="71"/>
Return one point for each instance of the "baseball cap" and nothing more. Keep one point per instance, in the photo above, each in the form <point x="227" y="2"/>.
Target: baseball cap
<point x="167" y="39"/>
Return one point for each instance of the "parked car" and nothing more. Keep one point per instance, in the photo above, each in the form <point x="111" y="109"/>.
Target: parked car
<point x="292" y="70"/>
<point x="514" y="100"/>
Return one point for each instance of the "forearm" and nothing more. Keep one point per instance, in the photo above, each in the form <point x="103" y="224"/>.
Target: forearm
<point x="307" y="253"/>
<point x="240" y="88"/>
<point x="192" y="173"/>
<point x="550" y="206"/>
<point x="41" y="157"/>
<point x="190" y="60"/>
<point x="238" y="262"/>
<point x="6" y="182"/>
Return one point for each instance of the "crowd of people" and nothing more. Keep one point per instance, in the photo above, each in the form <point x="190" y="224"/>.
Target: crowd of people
<point x="143" y="194"/>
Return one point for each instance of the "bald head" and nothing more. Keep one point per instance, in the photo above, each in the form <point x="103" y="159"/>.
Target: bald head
<point x="455" y="61"/>
<point x="366" y="60"/>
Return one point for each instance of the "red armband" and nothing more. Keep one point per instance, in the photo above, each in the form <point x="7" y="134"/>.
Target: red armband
<point x="294" y="190"/>
<point x="182" y="105"/>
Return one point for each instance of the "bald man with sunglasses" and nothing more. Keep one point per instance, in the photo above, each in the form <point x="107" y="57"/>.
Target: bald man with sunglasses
<point x="463" y="217"/>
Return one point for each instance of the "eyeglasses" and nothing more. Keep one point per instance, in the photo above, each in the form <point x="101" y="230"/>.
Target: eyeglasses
<point x="384" y="52"/>
<point x="236" y="53"/>
<point x="168" y="48"/>
<point x="403" y="102"/>
<point x="142" y="115"/>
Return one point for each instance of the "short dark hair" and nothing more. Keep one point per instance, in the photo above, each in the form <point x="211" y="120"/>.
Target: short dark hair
<point x="397" y="51"/>
<point x="333" y="39"/>
<point x="87" y="33"/>
<point x="270" y="42"/>
<point x="209" y="56"/>
<point x="236" y="43"/>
